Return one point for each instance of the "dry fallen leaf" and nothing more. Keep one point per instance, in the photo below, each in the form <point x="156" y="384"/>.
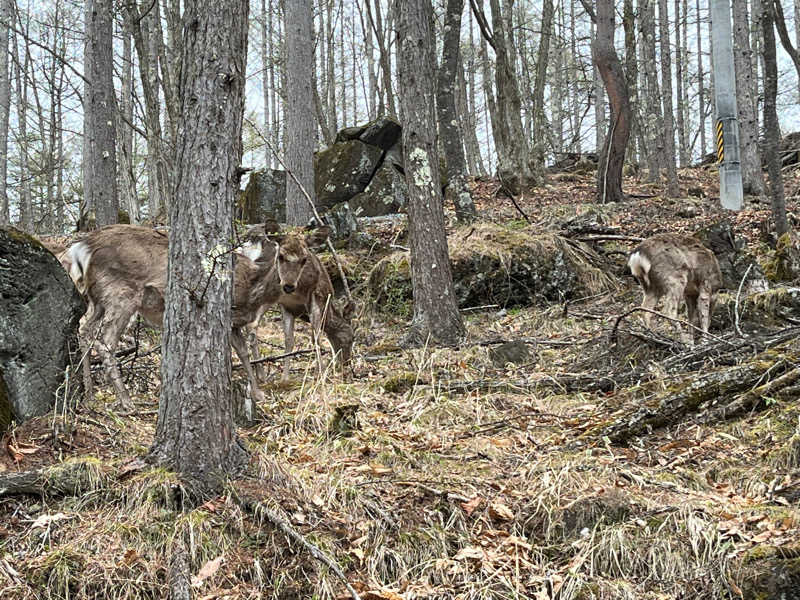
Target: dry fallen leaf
<point x="206" y="571"/>
<point x="45" y="520"/>
<point x="470" y="506"/>
<point x="500" y="512"/>
<point x="470" y="552"/>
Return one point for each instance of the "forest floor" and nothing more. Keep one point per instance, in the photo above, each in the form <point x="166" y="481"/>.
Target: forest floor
<point x="437" y="473"/>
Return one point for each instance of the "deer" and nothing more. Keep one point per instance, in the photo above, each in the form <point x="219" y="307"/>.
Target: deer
<point x="677" y="268"/>
<point x="122" y="271"/>
<point x="306" y="291"/>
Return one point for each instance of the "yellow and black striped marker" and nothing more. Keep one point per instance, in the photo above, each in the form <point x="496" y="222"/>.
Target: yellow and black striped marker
<point x="720" y="143"/>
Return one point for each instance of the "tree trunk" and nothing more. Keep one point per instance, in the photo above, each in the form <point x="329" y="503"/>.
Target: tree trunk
<point x="300" y="134"/>
<point x="701" y="86"/>
<point x="673" y="190"/>
<point x="195" y="433"/>
<point x="652" y="122"/>
<point x="750" y="157"/>
<point x="6" y="14"/>
<point x="25" y="196"/>
<point x="632" y="75"/>
<point x="772" y="130"/>
<point x="609" y="169"/>
<point x="127" y="180"/>
<point x="435" y="310"/>
<point x="157" y="161"/>
<point x="515" y="167"/>
<point x="100" y="103"/>
<point x="680" y="92"/>
<point x="452" y="142"/>
<point x="539" y="119"/>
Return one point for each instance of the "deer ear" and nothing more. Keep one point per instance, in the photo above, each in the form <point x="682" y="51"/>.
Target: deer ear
<point x="319" y="236"/>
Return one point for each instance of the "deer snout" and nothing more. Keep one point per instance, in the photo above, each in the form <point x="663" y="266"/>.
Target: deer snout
<point x="288" y="288"/>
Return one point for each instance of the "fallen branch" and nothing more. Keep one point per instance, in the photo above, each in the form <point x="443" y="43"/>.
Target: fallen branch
<point x="315" y="551"/>
<point x="66" y="479"/>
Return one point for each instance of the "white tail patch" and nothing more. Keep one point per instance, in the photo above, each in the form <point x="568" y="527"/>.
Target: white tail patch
<point x="639" y="265"/>
<point x="79" y="255"/>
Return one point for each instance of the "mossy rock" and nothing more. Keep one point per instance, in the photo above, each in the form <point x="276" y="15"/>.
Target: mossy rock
<point x="771" y="573"/>
<point x="400" y="382"/>
<point x="492" y="264"/>
<point x="784" y="264"/>
<point x="6" y="414"/>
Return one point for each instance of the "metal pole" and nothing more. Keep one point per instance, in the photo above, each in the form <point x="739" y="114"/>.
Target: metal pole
<point x="726" y="130"/>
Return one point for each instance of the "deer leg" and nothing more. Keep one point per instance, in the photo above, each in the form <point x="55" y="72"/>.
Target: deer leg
<point x="256" y="395"/>
<point x="692" y="314"/>
<point x="113" y="327"/>
<point x="315" y="316"/>
<point x="705" y="306"/>
<point x="288" y="339"/>
<point x="649" y="302"/>
<point x="255" y="350"/>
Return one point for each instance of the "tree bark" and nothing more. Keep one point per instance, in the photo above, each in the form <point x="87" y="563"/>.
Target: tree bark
<point x="300" y="129"/>
<point x="772" y="130"/>
<point x="100" y="104"/>
<point x="652" y="122"/>
<point x="195" y="433"/>
<point x="750" y="157"/>
<point x="435" y="310"/>
<point x="539" y="119"/>
<point x="6" y="14"/>
<point x="673" y="190"/>
<point x="609" y="169"/>
<point x="452" y="141"/>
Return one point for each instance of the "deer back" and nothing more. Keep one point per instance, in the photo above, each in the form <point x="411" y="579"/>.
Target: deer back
<point x="666" y="257"/>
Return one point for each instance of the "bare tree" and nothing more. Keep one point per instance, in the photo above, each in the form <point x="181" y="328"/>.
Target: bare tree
<point x="452" y="141"/>
<point x="6" y="15"/>
<point x="435" y="309"/>
<point x="300" y="138"/>
<point x="752" y="178"/>
<point x="195" y="434"/>
<point x="772" y="130"/>
<point x="666" y="88"/>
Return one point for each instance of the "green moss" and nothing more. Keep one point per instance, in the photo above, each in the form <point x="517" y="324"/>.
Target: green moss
<point x="400" y="383"/>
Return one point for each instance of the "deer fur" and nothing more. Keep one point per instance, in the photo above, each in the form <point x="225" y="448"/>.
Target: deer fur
<point x="306" y="291"/>
<point x="677" y="268"/>
<point x="122" y="270"/>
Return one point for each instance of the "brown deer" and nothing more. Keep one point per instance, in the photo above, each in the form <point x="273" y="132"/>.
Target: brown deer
<point x="306" y="291"/>
<point x="677" y="268"/>
<point x="122" y="270"/>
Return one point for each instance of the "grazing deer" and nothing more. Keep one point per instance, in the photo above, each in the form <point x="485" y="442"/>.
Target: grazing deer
<point x="677" y="268"/>
<point x="122" y="270"/>
<point x="306" y="291"/>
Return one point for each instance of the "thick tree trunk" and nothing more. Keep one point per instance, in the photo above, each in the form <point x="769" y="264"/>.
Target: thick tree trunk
<point x="435" y="310"/>
<point x="25" y="196"/>
<point x="195" y="433"/>
<point x="701" y="85"/>
<point x="609" y="169"/>
<point x="100" y="103"/>
<point x="300" y="137"/>
<point x="750" y="157"/>
<point x="452" y="142"/>
<point x="772" y="130"/>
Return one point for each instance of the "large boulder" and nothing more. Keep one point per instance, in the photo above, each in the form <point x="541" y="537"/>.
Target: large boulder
<point x="734" y="260"/>
<point x="264" y="198"/>
<point x="39" y="314"/>
<point x="383" y="132"/>
<point x="344" y="170"/>
<point x="387" y="193"/>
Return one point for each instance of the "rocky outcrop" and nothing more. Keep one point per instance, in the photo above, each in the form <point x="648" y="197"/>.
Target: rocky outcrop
<point x="39" y="314"/>
<point x="360" y="175"/>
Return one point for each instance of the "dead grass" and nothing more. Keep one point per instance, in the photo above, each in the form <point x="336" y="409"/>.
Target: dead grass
<point x="432" y="492"/>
